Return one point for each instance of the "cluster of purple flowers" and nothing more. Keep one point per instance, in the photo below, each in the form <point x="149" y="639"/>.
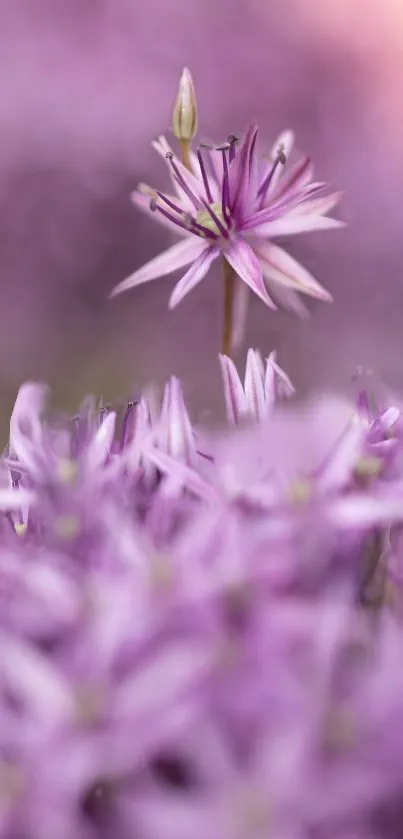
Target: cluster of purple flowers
<point x="201" y="632"/>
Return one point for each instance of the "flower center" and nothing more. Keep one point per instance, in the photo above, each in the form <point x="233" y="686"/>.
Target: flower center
<point x="368" y="467"/>
<point x="300" y="491"/>
<point x="67" y="527"/>
<point x="205" y="219"/>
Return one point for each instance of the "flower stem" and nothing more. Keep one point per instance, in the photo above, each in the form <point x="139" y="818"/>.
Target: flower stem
<point x="185" y="154"/>
<point x="229" y="287"/>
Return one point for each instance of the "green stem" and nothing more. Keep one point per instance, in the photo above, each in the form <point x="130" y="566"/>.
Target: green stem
<point x="185" y="154"/>
<point x="229" y="288"/>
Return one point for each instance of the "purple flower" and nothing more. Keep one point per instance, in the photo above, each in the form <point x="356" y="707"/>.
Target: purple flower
<point x="231" y="204"/>
<point x="257" y="397"/>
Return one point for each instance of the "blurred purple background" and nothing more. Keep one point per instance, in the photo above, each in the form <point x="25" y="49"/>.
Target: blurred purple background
<point x="86" y="84"/>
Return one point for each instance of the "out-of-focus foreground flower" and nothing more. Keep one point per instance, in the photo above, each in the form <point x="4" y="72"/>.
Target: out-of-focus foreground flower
<point x="200" y="633"/>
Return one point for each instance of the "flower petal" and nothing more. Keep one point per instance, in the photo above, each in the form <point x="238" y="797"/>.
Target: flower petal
<point x="254" y="385"/>
<point x="175" y="432"/>
<point x="299" y="176"/>
<point x="170" y="260"/>
<point x="276" y="382"/>
<point x="295" y="222"/>
<point x="286" y="142"/>
<point x="194" y="275"/>
<point x="279" y="267"/>
<point x="243" y="173"/>
<point x="235" y="400"/>
<point x="290" y="300"/>
<point x="101" y="443"/>
<point x="245" y="263"/>
<point x="26" y="432"/>
<point x="15" y="499"/>
<point x="318" y="206"/>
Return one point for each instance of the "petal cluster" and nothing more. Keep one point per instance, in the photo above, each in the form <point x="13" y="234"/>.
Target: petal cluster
<point x="229" y="202"/>
<point x="201" y="633"/>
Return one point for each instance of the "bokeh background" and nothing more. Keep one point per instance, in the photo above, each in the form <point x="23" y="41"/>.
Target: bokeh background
<point x="85" y="85"/>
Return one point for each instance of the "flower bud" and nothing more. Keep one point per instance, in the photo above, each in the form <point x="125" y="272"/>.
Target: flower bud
<point x="184" y="115"/>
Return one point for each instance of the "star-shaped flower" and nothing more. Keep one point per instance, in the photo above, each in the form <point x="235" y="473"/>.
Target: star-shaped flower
<point x="231" y="204"/>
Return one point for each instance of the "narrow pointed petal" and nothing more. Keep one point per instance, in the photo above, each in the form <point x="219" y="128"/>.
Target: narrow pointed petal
<point x="240" y="313"/>
<point x="294" y="223"/>
<point x="101" y="444"/>
<point x="183" y="474"/>
<point x="276" y="383"/>
<point x="363" y="510"/>
<point x="26" y="431"/>
<point x="194" y="275"/>
<point x="318" y="206"/>
<point x="15" y="499"/>
<point x="336" y="471"/>
<point x="170" y="260"/>
<point x="245" y="263"/>
<point x="216" y="164"/>
<point x="235" y="399"/>
<point x="32" y="677"/>
<point x="254" y="385"/>
<point x="290" y="300"/>
<point x="243" y="172"/>
<point x="175" y="430"/>
<point x="279" y="267"/>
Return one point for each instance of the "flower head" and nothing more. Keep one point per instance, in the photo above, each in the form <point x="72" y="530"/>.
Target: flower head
<point x="228" y="203"/>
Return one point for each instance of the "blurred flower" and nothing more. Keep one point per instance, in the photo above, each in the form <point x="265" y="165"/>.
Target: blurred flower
<point x="184" y="648"/>
<point x="258" y="395"/>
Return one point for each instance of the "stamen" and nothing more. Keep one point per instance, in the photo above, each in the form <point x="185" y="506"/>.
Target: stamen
<point x="204" y="176"/>
<point x="204" y="231"/>
<point x="225" y="189"/>
<point x="125" y="424"/>
<point x="186" y="224"/>
<point x="223" y="230"/>
<point x="233" y="140"/>
<point x="280" y="158"/>
<point x="171" y="204"/>
<point x="182" y="183"/>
